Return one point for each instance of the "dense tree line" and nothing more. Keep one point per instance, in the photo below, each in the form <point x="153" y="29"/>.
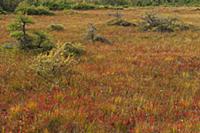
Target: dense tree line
<point x="10" y="5"/>
<point x="143" y="2"/>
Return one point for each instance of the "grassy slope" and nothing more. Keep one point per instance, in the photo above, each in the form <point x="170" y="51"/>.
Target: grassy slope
<point x="145" y="82"/>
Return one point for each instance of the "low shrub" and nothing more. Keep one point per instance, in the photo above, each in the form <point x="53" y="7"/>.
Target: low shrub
<point x="56" y="27"/>
<point x="83" y="6"/>
<point x="59" y="5"/>
<point x="42" y="41"/>
<point x="26" y="8"/>
<point x="73" y="49"/>
<point x="152" y="22"/>
<point x="102" y="39"/>
<point x="120" y="22"/>
<point x="40" y="10"/>
<point x="54" y="66"/>
<point x="55" y="6"/>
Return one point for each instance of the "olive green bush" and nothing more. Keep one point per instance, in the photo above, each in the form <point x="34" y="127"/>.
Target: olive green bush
<point x="56" y="27"/>
<point x="83" y="6"/>
<point x="55" y="66"/>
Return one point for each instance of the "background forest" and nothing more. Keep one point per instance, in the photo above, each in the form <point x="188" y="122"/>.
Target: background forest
<point x="10" y="5"/>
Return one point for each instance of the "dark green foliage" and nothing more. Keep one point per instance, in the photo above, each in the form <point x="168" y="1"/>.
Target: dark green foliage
<point x="18" y="30"/>
<point x="115" y="2"/>
<point x="53" y="5"/>
<point x="152" y="22"/>
<point x="26" y="39"/>
<point x="9" y="5"/>
<point x="42" y="41"/>
<point x="2" y="11"/>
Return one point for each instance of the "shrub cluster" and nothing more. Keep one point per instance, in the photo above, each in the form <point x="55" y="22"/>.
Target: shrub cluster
<point x="56" y="27"/>
<point x="118" y="20"/>
<point x="58" y="5"/>
<point x="26" y="8"/>
<point x="152" y="22"/>
<point x="40" y="10"/>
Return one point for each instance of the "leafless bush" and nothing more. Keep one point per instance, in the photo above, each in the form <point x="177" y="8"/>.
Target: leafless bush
<point x="94" y="37"/>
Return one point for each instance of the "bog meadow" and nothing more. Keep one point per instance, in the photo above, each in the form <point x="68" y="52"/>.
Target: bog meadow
<point x="99" y="66"/>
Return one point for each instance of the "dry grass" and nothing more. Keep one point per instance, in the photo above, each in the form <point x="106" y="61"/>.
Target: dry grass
<point x="144" y="82"/>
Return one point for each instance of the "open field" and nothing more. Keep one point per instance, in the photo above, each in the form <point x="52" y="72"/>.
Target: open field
<point x="145" y="82"/>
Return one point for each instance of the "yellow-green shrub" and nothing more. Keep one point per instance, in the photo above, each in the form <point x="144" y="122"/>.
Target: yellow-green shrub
<point x="54" y="66"/>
